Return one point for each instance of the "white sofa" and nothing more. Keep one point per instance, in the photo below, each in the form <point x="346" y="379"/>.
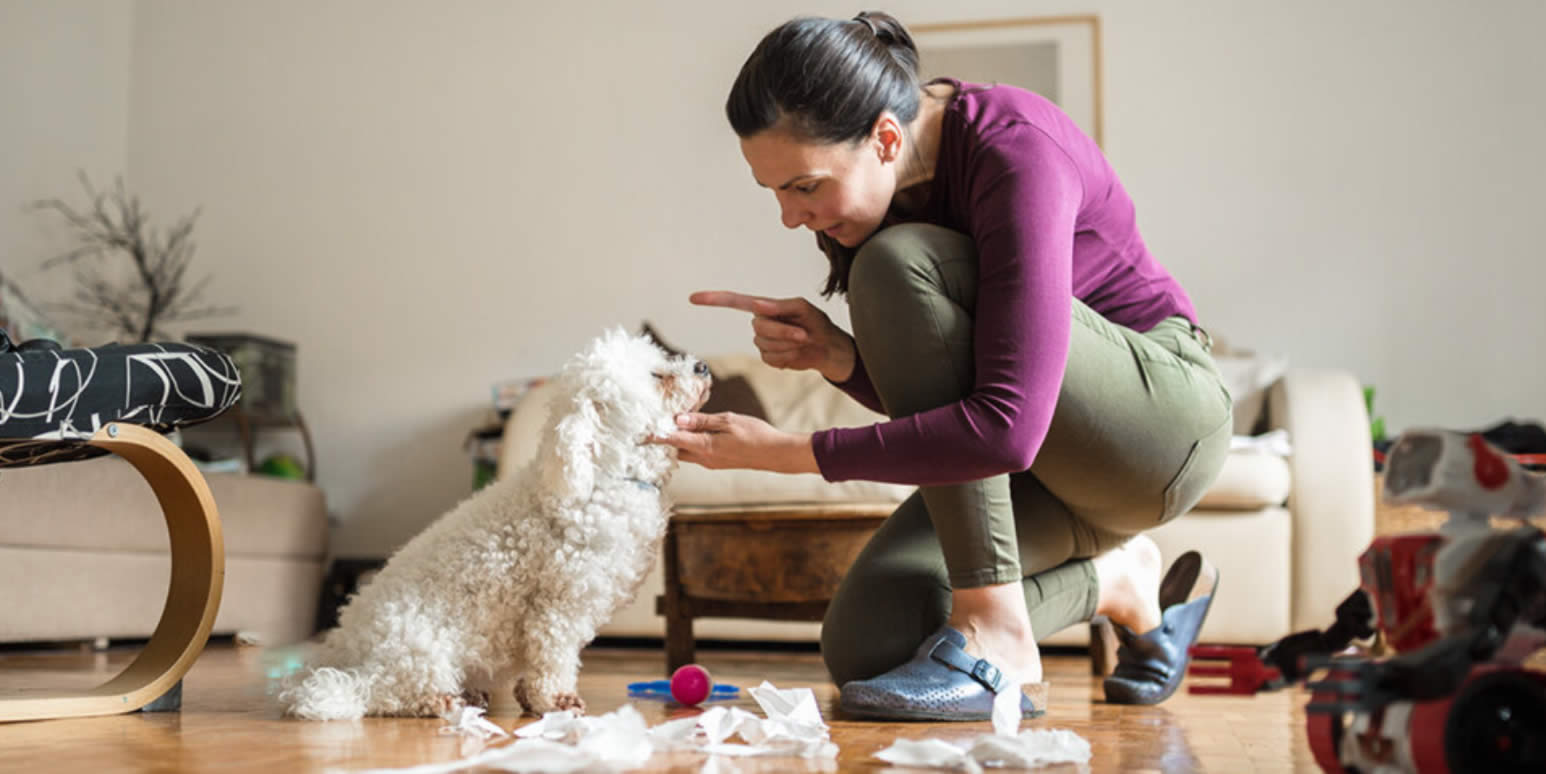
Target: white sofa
<point x="84" y="553"/>
<point x="1285" y="533"/>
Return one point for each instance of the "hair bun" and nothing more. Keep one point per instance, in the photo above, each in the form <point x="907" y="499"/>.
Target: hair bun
<point x="889" y="32"/>
<point x="864" y="18"/>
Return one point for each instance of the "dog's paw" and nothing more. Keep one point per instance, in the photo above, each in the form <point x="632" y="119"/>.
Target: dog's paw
<point x="536" y="703"/>
<point x="447" y="704"/>
<point x="472" y="697"/>
<point x="523" y="697"/>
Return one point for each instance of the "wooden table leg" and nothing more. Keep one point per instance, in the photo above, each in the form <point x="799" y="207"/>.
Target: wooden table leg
<point x="198" y="576"/>
<point x="676" y="608"/>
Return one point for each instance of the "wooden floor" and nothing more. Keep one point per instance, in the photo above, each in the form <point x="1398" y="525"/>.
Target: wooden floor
<point x="229" y="722"/>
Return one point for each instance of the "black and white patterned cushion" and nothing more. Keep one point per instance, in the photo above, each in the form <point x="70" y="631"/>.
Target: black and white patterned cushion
<point x="53" y="399"/>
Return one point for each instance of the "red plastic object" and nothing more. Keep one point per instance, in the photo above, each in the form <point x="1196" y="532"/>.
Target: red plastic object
<point x="1246" y="673"/>
<point x="1488" y="466"/>
<point x="1397" y="572"/>
<point x="1324" y="730"/>
<point x="691" y="685"/>
<point x="1425" y="734"/>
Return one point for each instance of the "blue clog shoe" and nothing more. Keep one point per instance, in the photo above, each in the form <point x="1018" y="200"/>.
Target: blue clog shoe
<point x="1150" y="665"/>
<point x="941" y="682"/>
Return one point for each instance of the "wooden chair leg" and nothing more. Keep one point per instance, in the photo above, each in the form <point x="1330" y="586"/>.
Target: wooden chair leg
<point x="675" y="607"/>
<point x="1103" y="647"/>
<point x="681" y="647"/>
<point x="193" y="598"/>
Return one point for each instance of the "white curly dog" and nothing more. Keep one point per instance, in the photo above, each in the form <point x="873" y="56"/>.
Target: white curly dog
<point x="512" y="583"/>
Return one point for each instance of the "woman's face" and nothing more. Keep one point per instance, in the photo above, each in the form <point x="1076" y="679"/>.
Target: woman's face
<point x="842" y="189"/>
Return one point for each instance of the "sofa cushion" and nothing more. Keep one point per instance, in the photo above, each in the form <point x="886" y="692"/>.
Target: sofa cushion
<point x="104" y="504"/>
<point x="51" y="399"/>
<point x="698" y="487"/>
<point x="801" y="401"/>
<point x="796" y="401"/>
<point x="63" y="594"/>
<point x="1247" y="375"/>
<point x="1253" y="550"/>
<point x="1248" y="480"/>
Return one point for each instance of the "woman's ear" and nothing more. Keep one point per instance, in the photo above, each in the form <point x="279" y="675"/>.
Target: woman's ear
<point x="887" y="136"/>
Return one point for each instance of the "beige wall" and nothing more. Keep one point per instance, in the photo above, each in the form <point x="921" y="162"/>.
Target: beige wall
<point x="64" y="94"/>
<point x="431" y="196"/>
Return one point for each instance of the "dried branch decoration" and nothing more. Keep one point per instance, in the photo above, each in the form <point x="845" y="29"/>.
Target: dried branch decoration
<point x="116" y="224"/>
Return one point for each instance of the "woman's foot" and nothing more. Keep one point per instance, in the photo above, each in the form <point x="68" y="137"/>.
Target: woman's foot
<point x="942" y="682"/>
<point x="1129" y="580"/>
<point x="997" y="628"/>
<point x="1151" y="665"/>
<point x="960" y="670"/>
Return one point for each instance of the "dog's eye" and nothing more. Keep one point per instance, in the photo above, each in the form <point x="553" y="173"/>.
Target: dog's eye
<point x="661" y="377"/>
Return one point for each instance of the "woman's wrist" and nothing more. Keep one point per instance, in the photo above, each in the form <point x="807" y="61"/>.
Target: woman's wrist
<point x="801" y="455"/>
<point x="839" y="367"/>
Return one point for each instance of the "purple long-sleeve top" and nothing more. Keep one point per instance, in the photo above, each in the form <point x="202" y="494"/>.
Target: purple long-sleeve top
<point x="1051" y="223"/>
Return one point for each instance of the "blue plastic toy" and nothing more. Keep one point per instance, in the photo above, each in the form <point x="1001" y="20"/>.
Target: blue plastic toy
<point x="660" y="690"/>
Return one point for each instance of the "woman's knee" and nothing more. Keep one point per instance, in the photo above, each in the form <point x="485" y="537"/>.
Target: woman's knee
<point x="899" y="257"/>
<point x="874" y="625"/>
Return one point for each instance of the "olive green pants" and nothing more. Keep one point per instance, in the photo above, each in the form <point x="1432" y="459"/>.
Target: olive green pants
<point x="1141" y="429"/>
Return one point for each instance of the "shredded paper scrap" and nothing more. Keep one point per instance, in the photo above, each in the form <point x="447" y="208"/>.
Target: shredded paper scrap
<point x="564" y="742"/>
<point x="1026" y="750"/>
<point x="1007" y="746"/>
<point x="568" y="743"/>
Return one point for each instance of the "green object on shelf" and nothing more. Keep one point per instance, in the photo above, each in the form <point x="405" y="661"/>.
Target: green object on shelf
<point x="283" y="466"/>
<point x="483" y="474"/>
<point x="1376" y="424"/>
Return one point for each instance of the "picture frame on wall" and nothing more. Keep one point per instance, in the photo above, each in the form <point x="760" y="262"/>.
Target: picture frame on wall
<point x="1058" y="57"/>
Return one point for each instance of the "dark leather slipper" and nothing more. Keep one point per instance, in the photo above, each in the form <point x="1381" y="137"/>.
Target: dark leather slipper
<point x="1150" y="665"/>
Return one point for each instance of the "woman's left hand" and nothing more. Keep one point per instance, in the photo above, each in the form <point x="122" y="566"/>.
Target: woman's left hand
<point x="726" y="440"/>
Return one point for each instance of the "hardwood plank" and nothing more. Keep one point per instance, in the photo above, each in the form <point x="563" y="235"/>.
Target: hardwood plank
<point x="230" y="723"/>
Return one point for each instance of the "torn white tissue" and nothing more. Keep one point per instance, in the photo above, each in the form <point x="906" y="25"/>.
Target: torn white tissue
<point x="1028" y="749"/>
<point x="469" y="721"/>
<point x="1006" y="708"/>
<point x="1031" y="747"/>
<point x="793" y="727"/>
<point x="679" y="734"/>
<point x="927" y="753"/>
<point x="721" y="723"/>
<point x="560" y="726"/>
<point x="613" y="742"/>
<point x="531" y="756"/>
<point x="567" y="742"/>
<point x="795" y="707"/>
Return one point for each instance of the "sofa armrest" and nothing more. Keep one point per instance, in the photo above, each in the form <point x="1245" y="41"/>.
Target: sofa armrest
<point x="1332" y="494"/>
<point x="523" y="429"/>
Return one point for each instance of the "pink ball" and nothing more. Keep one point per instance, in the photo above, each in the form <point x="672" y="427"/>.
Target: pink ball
<point x="691" y="684"/>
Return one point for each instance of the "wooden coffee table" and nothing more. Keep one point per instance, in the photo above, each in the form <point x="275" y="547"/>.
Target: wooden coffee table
<point x="775" y="562"/>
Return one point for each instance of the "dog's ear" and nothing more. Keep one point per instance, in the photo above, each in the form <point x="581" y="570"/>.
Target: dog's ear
<point x="571" y="472"/>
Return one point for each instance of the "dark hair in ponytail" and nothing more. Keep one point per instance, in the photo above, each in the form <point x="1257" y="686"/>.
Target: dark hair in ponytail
<point x="827" y="80"/>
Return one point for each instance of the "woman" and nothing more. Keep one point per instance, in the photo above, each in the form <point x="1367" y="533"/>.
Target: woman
<point x="1050" y="390"/>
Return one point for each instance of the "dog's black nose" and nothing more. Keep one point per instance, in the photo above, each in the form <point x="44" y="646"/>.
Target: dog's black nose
<point x="701" y="369"/>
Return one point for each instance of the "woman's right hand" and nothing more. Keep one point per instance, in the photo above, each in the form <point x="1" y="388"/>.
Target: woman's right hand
<point x="790" y="332"/>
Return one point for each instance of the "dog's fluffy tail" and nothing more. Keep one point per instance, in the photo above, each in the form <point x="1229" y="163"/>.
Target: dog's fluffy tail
<point x="326" y="693"/>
